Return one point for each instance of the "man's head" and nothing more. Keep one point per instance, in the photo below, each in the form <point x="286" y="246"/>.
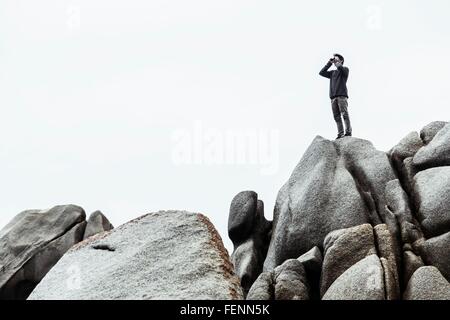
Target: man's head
<point x="338" y="60"/>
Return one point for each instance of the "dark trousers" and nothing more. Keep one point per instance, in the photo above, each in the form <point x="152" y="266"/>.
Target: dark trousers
<point x="339" y="106"/>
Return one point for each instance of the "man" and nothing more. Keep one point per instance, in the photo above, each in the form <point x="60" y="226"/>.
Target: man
<point x="338" y="93"/>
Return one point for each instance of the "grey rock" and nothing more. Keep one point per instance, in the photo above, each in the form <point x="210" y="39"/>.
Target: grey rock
<point x="250" y="233"/>
<point x="97" y="223"/>
<point x="436" y="152"/>
<point x="430" y="130"/>
<point x="411" y="262"/>
<point x="407" y="147"/>
<point x="290" y="281"/>
<point x="398" y="203"/>
<point x="392" y="289"/>
<point x="363" y="281"/>
<point x="427" y="283"/>
<point x="163" y="255"/>
<point x="312" y="260"/>
<point x="432" y="195"/>
<point x="342" y="249"/>
<point x="408" y="171"/>
<point x="262" y="288"/>
<point x="242" y="215"/>
<point x="436" y="251"/>
<point x="337" y="184"/>
<point x="32" y="243"/>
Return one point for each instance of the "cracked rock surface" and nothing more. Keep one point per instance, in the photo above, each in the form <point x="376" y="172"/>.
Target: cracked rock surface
<point x="162" y="255"/>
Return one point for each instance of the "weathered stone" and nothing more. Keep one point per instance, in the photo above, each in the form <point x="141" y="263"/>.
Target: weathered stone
<point x="436" y="152"/>
<point x="427" y="283"/>
<point x="398" y="203"/>
<point x="290" y="281"/>
<point x="392" y="288"/>
<point x="163" y="255"/>
<point x="242" y="216"/>
<point x="342" y="249"/>
<point x="408" y="172"/>
<point x="430" y="130"/>
<point x="432" y="195"/>
<point x="250" y="232"/>
<point x="337" y="184"/>
<point x="97" y="223"/>
<point x="312" y="260"/>
<point x="387" y="251"/>
<point x="32" y="243"/>
<point x="436" y="251"/>
<point x="407" y="147"/>
<point x="262" y="288"/>
<point x="411" y="262"/>
<point x="362" y="281"/>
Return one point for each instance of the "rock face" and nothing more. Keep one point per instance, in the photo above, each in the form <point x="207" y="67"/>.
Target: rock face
<point x="427" y="283"/>
<point x="32" y="243"/>
<point x="287" y="282"/>
<point x="250" y="233"/>
<point x="364" y="208"/>
<point x="163" y="255"/>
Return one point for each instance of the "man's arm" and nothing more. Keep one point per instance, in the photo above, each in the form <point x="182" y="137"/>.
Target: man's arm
<point x="324" y="72"/>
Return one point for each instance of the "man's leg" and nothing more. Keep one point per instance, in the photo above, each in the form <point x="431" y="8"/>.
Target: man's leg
<point x="337" y="116"/>
<point x="343" y="107"/>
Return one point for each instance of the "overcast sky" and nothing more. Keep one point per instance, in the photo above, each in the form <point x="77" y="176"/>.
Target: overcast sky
<point x="132" y="106"/>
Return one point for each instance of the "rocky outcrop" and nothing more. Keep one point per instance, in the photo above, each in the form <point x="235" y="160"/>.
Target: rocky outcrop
<point x="162" y="255"/>
<point x="32" y="243"/>
<point x="362" y="208"/>
<point x="97" y="223"/>
<point x="250" y="233"/>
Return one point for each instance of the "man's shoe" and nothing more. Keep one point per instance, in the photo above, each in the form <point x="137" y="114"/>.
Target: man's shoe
<point x="341" y="135"/>
<point x="348" y="134"/>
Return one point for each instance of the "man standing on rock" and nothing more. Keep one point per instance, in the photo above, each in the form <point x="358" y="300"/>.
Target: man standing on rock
<point x="338" y="93"/>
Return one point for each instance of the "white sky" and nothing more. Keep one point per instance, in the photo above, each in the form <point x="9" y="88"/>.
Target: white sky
<point x="92" y="92"/>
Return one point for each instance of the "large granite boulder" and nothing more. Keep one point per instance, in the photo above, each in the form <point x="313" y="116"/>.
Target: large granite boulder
<point x="432" y="196"/>
<point x="436" y="252"/>
<point x="32" y="243"/>
<point x="162" y="255"/>
<point x="288" y="281"/>
<point x="250" y="233"/>
<point x="97" y="223"/>
<point x="362" y="281"/>
<point x="337" y="184"/>
<point x="427" y="283"/>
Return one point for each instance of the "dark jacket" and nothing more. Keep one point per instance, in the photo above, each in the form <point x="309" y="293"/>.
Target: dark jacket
<point x="338" y="80"/>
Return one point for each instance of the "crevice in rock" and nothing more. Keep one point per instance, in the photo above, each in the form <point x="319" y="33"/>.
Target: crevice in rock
<point x="367" y="196"/>
<point x="398" y="169"/>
